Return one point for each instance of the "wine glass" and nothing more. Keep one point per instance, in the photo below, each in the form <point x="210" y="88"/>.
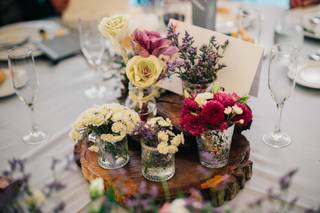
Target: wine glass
<point x="283" y="59"/>
<point x="288" y="31"/>
<point x="21" y="63"/>
<point x="249" y="25"/>
<point x="93" y="46"/>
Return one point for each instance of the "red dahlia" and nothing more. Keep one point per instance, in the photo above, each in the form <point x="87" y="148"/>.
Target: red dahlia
<point x="192" y="124"/>
<point x="225" y="99"/>
<point x="213" y="113"/>
<point x="190" y="104"/>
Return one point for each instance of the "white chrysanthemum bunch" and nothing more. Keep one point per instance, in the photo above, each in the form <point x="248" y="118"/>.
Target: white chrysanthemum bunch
<point x="167" y="141"/>
<point x="111" y="122"/>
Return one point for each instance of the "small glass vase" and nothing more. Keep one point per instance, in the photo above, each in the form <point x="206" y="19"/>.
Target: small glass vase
<point x="214" y="147"/>
<point x="156" y="166"/>
<point x="112" y="155"/>
<point x="143" y="101"/>
<point x="190" y="88"/>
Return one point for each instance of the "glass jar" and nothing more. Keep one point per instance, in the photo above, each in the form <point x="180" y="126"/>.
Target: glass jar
<point x="143" y="101"/>
<point x="156" y="166"/>
<point x="190" y="88"/>
<point x="214" y="147"/>
<point x="112" y="155"/>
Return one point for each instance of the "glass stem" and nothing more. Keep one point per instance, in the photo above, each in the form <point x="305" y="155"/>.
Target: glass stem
<point x="99" y="76"/>
<point x="278" y="126"/>
<point x="34" y="126"/>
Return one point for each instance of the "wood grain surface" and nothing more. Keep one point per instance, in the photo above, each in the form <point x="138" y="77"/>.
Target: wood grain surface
<point x="218" y="185"/>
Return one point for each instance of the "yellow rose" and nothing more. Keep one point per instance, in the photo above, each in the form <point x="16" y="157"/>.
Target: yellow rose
<point x="172" y="149"/>
<point x="114" y="27"/>
<point x="144" y="72"/>
<point x="118" y="127"/>
<point x="75" y="135"/>
<point x="97" y="120"/>
<point x="163" y="137"/>
<point x="176" y="140"/>
<point x="112" y="138"/>
<point x="162" y="148"/>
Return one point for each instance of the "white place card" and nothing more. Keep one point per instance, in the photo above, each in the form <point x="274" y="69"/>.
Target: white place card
<point x="242" y="58"/>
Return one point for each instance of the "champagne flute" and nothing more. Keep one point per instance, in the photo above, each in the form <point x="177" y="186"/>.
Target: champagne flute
<point x="21" y="62"/>
<point x="249" y="25"/>
<point x="93" y="46"/>
<point x="283" y="59"/>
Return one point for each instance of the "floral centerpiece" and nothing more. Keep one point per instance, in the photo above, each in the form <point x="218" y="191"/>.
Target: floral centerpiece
<point x="159" y="145"/>
<point x="211" y="117"/>
<point x="145" y="54"/>
<point x="197" y="68"/>
<point x="107" y="126"/>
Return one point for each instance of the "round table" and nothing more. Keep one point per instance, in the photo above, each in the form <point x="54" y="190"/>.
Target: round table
<point x="61" y="99"/>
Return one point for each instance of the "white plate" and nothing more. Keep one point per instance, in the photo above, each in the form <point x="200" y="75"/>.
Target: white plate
<point x="6" y="88"/>
<point x="19" y="31"/>
<point x="308" y="75"/>
<point x="311" y="30"/>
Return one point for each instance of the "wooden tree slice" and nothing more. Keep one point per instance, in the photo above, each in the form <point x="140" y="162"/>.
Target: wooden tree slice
<point x="218" y="185"/>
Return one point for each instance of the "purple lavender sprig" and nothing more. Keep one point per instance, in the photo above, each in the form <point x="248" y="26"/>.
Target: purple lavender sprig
<point x="194" y="65"/>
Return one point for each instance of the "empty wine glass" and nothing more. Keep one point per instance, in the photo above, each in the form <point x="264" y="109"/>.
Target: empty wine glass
<point x="22" y="66"/>
<point x="249" y="25"/>
<point x="288" y="31"/>
<point x="92" y="46"/>
<point x="283" y="59"/>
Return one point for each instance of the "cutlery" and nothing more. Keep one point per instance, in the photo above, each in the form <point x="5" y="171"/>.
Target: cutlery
<point x="315" y="20"/>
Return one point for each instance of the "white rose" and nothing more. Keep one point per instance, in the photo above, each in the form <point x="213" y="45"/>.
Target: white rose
<point x="115" y="27"/>
<point x="201" y="99"/>
<point x="227" y="110"/>
<point x="237" y="110"/>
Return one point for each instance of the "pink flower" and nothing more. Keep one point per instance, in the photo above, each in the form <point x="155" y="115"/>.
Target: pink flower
<point x="190" y="104"/>
<point x="213" y="113"/>
<point x="245" y="117"/>
<point x="224" y="98"/>
<point x="235" y="96"/>
<point x="223" y="126"/>
<point x="192" y="124"/>
<point x="151" y="43"/>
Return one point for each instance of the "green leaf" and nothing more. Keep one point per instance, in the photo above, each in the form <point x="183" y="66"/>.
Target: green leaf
<point x="216" y="87"/>
<point x="244" y="99"/>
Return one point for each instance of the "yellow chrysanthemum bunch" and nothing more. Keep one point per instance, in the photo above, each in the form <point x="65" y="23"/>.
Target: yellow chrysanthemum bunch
<point x="110" y="122"/>
<point x="168" y="141"/>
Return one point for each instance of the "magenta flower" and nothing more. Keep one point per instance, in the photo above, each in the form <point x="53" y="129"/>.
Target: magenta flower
<point x="151" y="43"/>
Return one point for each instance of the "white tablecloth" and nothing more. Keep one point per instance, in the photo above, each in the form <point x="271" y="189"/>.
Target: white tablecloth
<point x="61" y="99"/>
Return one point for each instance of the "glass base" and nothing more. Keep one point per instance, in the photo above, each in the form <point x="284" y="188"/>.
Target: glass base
<point x="96" y="92"/>
<point x="159" y="174"/>
<point x="35" y="137"/>
<point x="276" y="140"/>
<point x="215" y="164"/>
<point x="120" y="162"/>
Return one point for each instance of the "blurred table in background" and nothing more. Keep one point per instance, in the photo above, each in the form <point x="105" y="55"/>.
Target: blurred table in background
<point x="61" y="99"/>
